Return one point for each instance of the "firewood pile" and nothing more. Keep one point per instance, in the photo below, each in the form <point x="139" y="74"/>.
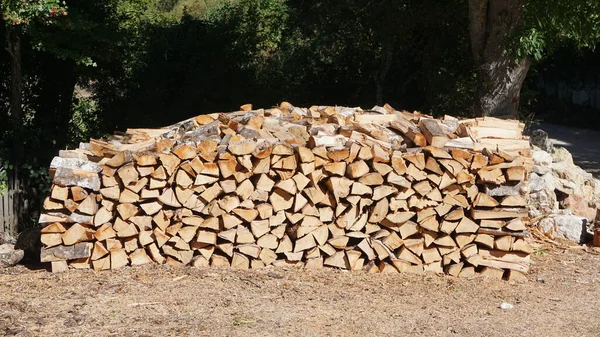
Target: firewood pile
<point x="378" y="190"/>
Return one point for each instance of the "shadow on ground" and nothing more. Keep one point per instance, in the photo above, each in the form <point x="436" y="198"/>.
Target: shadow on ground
<point x="583" y="144"/>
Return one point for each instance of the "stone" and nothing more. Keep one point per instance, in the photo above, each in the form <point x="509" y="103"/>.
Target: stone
<point x="541" y="193"/>
<point x="579" y="206"/>
<point x="9" y="256"/>
<point x="557" y="182"/>
<point x="534" y="213"/>
<point x="547" y="226"/>
<point x="521" y="188"/>
<point x="544" y="201"/>
<point x="506" y="306"/>
<point x="564" y="186"/>
<point x="571" y="179"/>
<point x="541" y="170"/>
<point x="542" y="162"/>
<point x="541" y="182"/>
<point x="561" y="154"/>
<point x="572" y="227"/>
<point x="541" y="158"/>
<point x="540" y="139"/>
<point x="7" y="238"/>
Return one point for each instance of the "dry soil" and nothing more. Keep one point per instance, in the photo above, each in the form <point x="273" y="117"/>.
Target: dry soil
<point x="561" y="298"/>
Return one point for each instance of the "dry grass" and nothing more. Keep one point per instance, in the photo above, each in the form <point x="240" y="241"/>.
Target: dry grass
<point x="162" y="301"/>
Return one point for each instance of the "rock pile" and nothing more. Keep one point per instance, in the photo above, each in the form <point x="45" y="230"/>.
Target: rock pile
<point x="562" y="195"/>
<point x="9" y="255"/>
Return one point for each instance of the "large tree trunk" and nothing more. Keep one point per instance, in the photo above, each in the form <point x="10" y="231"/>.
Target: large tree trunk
<point x="499" y="87"/>
<point x="381" y="73"/>
<point x="491" y="24"/>
<point x="13" y="40"/>
<point x="13" y="46"/>
<point x="57" y="80"/>
<point x="386" y="38"/>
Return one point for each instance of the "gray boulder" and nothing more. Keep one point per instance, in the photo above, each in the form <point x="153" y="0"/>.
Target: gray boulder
<point x="7" y="238"/>
<point x="543" y="182"/>
<point x="572" y="179"/>
<point x="561" y="154"/>
<point x="572" y="227"/>
<point x="9" y="256"/>
<point x="542" y="162"/>
<point x="547" y="226"/>
<point x="540" y="139"/>
<point x="541" y="193"/>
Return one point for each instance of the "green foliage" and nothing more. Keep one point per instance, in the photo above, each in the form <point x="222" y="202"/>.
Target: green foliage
<point x="37" y="178"/>
<point x="5" y="166"/>
<point x="548" y="25"/>
<point x="35" y="175"/>
<point x="148" y="63"/>
<point x="531" y="44"/>
<point x="257" y="26"/>
<point x="23" y="12"/>
<point x="85" y="122"/>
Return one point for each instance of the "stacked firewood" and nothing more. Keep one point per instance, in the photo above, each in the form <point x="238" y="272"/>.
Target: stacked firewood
<point x="380" y="190"/>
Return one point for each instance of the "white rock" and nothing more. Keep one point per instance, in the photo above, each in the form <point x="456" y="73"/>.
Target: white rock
<point x="541" y="182"/>
<point x="564" y="186"/>
<point x="541" y="158"/>
<point x="572" y="227"/>
<point x="534" y="213"/>
<point x="9" y="256"/>
<point x="543" y="201"/>
<point x="546" y="225"/>
<point x="541" y="192"/>
<point x="561" y="154"/>
<point x="541" y="170"/>
<point x="506" y="306"/>
<point x="576" y="179"/>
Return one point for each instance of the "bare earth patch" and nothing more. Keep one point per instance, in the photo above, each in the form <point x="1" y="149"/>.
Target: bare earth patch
<point x="162" y="301"/>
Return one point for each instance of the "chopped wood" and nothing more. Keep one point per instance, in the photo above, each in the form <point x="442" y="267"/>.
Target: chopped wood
<point x="514" y="201"/>
<point x="325" y="186"/>
<point x="433" y="132"/>
<point x="61" y="253"/>
<point x="499" y="213"/>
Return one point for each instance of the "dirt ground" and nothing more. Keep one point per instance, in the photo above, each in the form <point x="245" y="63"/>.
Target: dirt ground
<point x="562" y="298"/>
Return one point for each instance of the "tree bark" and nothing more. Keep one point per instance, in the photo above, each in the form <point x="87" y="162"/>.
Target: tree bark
<point x="386" y="37"/>
<point x="380" y="74"/>
<point x="13" y="40"/>
<point x="57" y="79"/>
<point x="491" y="24"/>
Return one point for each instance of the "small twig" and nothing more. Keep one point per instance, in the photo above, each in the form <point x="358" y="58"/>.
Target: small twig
<point x="251" y="282"/>
<point x="141" y="304"/>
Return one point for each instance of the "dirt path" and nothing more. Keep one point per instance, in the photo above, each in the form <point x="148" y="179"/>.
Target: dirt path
<point x="582" y="143"/>
<point x="161" y="301"/>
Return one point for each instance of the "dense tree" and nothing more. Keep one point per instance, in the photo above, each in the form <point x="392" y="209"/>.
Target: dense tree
<point x="507" y="35"/>
<point x="80" y="69"/>
<point x="19" y="18"/>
